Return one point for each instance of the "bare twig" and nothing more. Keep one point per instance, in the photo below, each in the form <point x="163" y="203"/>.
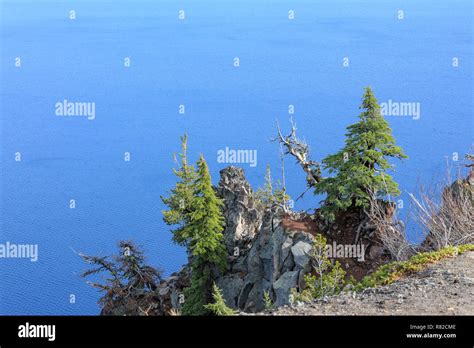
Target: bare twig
<point x="300" y="150"/>
<point x="389" y="228"/>
<point x="448" y="220"/>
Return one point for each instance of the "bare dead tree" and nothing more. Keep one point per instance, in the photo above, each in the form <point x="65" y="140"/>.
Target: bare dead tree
<point x="389" y="228"/>
<point x="470" y="177"/>
<point x="299" y="149"/>
<point x="282" y="160"/>
<point x="448" y="218"/>
<point x="129" y="284"/>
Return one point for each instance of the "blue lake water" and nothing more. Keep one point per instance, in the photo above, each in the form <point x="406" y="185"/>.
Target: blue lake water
<point x="190" y="62"/>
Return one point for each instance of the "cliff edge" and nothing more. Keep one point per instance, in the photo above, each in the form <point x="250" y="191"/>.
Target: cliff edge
<point x="444" y="288"/>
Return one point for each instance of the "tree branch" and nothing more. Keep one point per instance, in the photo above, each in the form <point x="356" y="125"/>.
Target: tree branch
<point x="298" y="148"/>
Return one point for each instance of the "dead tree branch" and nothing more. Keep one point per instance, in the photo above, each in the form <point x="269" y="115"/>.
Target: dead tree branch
<point x="470" y="157"/>
<point x="299" y="149"/>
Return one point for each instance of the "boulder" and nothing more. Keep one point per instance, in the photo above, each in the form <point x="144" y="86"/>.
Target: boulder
<point x="301" y="255"/>
<point x="282" y="287"/>
<point x="230" y="284"/>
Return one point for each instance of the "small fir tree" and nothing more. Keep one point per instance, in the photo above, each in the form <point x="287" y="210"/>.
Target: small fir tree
<point x="219" y="307"/>
<point x="264" y="194"/>
<point x="360" y="167"/>
<point x="267" y="300"/>
<point x="206" y="223"/>
<point x="271" y="194"/>
<point x="180" y="201"/>
<point x="204" y="233"/>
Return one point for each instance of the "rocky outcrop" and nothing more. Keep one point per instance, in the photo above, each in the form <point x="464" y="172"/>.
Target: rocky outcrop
<point x="264" y="256"/>
<point x="268" y="250"/>
<point x="242" y="218"/>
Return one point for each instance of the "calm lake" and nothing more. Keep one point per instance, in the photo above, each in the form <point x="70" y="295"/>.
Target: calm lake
<point x="221" y="71"/>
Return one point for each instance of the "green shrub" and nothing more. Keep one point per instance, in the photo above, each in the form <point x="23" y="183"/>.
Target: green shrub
<point x="328" y="278"/>
<point x="271" y="194"/>
<point x="393" y="271"/>
<point x="267" y="300"/>
<point x="219" y="306"/>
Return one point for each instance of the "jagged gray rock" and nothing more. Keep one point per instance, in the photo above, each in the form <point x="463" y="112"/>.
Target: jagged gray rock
<point x="282" y="287"/>
<point x="270" y="258"/>
<point x="242" y="218"/>
<point x="263" y="255"/>
<point x="301" y="255"/>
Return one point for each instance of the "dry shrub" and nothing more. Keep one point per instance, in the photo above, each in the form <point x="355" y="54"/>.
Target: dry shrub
<point x="389" y="228"/>
<point x="447" y="214"/>
<point x="174" y="312"/>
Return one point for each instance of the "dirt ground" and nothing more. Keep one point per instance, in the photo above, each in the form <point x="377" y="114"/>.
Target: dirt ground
<point x="445" y="288"/>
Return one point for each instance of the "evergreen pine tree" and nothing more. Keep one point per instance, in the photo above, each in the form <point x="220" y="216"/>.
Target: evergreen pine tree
<point x="206" y="223"/>
<point x="264" y="195"/>
<point x="359" y="169"/>
<point x="180" y="202"/>
<point x="204" y="233"/>
<point x="197" y="295"/>
<point x="268" y="186"/>
<point x="271" y="194"/>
